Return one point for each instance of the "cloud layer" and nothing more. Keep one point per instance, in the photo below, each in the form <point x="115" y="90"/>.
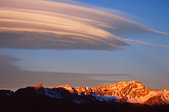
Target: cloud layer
<point x="11" y="77"/>
<point x="60" y="25"/>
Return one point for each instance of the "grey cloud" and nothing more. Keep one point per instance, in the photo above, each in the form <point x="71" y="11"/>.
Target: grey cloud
<point x="11" y="77"/>
<point x="49" y="41"/>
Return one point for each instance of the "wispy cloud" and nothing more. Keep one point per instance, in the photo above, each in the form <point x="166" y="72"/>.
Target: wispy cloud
<point x="147" y="43"/>
<point x="62" y="25"/>
<point x="12" y="77"/>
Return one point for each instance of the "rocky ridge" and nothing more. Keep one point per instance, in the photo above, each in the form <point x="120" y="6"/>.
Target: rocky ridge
<point x="123" y="92"/>
<point x="132" y="92"/>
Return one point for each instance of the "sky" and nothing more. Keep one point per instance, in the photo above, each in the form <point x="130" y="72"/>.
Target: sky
<point x="83" y="42"/>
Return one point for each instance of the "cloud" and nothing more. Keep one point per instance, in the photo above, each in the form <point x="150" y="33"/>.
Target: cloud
<point x="146" y="43"/>
<point x="12" y="77"/>
<point x="6" y="59"/>
<point x="39" y="24"/>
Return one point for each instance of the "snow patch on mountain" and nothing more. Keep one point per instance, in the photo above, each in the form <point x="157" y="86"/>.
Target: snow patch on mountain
<point x="49" y="92"/>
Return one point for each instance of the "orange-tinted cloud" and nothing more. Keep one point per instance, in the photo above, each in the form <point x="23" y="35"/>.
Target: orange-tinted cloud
<point x="62" y="25"/>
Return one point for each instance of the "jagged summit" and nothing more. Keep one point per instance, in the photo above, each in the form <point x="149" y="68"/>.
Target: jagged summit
<point x="38" y="86"/>
<point x="67" y="87"/>
<point x="131" y="92"/>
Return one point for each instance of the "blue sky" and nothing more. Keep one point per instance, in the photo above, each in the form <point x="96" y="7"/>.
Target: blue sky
<point x="153" y="13"/>
<point x="146" y="63"/>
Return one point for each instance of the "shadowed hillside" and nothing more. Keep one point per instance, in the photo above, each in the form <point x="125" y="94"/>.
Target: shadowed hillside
<point x="114" y="97"/>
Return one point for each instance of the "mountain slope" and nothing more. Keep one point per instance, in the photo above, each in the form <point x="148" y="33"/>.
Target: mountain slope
<point x="130" y="92"/>
<point x="123" y="96"/>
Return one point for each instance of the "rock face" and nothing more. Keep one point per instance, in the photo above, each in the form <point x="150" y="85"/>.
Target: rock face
<point x="128" y="92"/>
<point x="132" y="92"/>
<point x="67" y="87"/>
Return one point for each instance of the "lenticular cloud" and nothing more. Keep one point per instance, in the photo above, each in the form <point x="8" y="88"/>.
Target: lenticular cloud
<point x="40" y="24"/>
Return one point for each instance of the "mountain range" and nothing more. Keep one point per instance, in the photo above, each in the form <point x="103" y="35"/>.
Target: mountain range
<point x="130" y="96"/>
